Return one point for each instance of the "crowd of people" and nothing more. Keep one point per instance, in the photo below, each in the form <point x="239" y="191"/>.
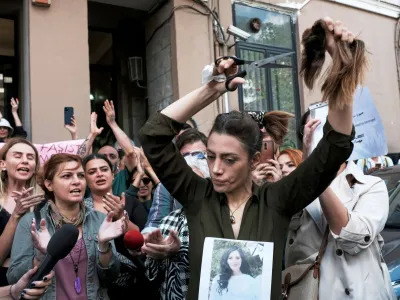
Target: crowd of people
<point x="182" y="186"/>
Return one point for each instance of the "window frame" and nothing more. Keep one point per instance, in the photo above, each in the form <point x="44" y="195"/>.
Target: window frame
<point x="274" y="50"/>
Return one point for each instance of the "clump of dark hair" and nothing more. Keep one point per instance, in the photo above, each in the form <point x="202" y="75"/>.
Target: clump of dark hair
<point x="241" y="126"/>
<point x="349" y="64"/>
<point x="276" y="123"/>
<point x="190" y="136"/>
<point x="186" y="126"/>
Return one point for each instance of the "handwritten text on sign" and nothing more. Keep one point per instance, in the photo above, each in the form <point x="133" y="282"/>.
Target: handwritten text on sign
<point x="370" y="138"/>
<point x="47" y="150"/>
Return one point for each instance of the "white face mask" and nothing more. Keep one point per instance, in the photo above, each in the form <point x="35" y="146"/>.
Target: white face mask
<point x="200" y="164"/>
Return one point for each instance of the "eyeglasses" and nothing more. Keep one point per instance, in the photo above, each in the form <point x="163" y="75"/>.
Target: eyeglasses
<point x="196" y="154"/>
<point x="146" y="180"/>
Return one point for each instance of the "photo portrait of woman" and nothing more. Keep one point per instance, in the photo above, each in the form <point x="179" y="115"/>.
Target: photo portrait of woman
<point x="235" y="281"/>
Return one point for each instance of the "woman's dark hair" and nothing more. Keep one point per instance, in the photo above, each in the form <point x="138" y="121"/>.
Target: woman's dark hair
<point x="276" y="124"/>
<point x="226" y="271"/>
<point x="300" y="128"/>
<point x="186" y="126"/>
<point x="190" y="136"/>
<point x="241" y="126"/>
<point x="51" y="167"/>
<point x="96" y="156"/>
<point x="349" y="64"/>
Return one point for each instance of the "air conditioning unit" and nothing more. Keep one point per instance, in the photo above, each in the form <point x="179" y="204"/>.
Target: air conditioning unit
<point x="135" y="66"/>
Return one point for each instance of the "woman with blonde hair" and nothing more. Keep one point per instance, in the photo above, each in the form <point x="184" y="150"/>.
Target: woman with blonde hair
<point x="19" y="163"/>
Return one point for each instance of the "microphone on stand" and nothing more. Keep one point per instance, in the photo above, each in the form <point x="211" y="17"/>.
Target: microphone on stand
<point x="60" y="245"/>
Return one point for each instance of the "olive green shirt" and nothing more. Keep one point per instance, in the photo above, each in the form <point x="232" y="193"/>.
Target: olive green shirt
<point x="265" y="218"/>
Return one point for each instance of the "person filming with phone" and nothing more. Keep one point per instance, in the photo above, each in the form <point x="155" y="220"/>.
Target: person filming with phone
<point x="272" y="138"/>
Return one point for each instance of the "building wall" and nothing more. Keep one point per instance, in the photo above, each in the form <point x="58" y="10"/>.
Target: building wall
<point x="159" y="60"/>
<point x="194" y="50"/>
<point x="381" y="78"/>
<point x="378" y="33"/>
<point x="59" y="73"/>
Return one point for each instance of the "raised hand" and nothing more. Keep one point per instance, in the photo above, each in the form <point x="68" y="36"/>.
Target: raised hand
<point x="274" y="171"/>
<point x="336" y="31"/>
<point x="158" y="247"/>
<point x="110" y="229"/>
<point x="145" y="163"/>
<point x="109" y="111"/>
<point x="114" y="204"/>
<point x="40" y="238"/>
<point x="24" y="201"/>
<point x="270" y="172"/>
<point x="73" y="128"/>
<point x="93" y="125"/>
<point x="14" y="105"/>
<point x="308" y="134"/>
<point x="36" y="293"/>
<point x="228" y="68"/>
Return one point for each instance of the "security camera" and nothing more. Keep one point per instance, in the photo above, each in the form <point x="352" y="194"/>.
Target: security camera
<point x="238" y="33"/>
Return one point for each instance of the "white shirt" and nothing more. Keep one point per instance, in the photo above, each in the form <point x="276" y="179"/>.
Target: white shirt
<point x="351" y="267"/>
<point x="240" y="287"/>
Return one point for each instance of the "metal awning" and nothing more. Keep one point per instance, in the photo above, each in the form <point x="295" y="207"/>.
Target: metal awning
<point x="144" y="5"/>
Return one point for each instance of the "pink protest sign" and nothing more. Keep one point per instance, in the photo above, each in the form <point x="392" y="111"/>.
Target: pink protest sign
<point x="47" y="150"/>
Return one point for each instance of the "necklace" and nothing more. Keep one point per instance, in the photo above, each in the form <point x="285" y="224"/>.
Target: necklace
<point x="232" y="217"/>
<point x="77" y="282"/>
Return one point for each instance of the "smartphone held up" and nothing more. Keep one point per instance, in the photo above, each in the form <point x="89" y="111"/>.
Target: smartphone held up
<point x="68" y="114"/>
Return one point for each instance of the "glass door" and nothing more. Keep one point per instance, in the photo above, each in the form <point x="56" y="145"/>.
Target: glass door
<point x="8" y="68"/>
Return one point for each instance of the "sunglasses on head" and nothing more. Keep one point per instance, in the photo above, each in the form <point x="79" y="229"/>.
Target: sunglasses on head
<point x="196" y="154"/>
<point x="146" y="180"/>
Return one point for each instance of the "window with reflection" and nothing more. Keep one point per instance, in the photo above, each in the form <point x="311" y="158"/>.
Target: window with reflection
<point x="275" y="87"/>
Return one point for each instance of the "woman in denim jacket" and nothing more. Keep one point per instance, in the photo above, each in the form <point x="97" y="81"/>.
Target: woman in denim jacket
<point x="92" y="263"/>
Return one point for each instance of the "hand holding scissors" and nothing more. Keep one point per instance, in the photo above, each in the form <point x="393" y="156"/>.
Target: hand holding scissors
<point x="252" y="65"/>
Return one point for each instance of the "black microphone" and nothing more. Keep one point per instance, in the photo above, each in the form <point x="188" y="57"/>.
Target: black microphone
<point x="60" y="245"/>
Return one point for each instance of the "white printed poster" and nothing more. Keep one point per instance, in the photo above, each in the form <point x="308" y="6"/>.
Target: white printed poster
<point x="370" y="138"/>
<point x="236" y="270"/>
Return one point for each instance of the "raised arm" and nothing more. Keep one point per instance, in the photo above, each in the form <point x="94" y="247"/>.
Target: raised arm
<point x="157" y="134"/>
<point x="14" y="110"/>
<point x="121" y="137"/>
<point x="19" y="130"/>
<point x="356" y="229"/>
<point x="72" y="129"/>
<point x="86" y="147"/>
<point x="315" y="174"/>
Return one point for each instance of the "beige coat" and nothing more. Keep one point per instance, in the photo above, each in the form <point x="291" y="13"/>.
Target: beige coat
<point x="352" y="267"/>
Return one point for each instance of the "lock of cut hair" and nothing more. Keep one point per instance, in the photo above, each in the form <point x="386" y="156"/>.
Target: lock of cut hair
<point x="276" y="123"/>
<point x="347" y="71"/>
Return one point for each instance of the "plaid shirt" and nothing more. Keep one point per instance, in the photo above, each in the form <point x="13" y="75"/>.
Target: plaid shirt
<point x="176" y="268"/>
<point x="163" y="204"/>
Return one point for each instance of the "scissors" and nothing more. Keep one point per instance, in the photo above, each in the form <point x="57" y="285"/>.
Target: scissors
<point x="253" y="65"/>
